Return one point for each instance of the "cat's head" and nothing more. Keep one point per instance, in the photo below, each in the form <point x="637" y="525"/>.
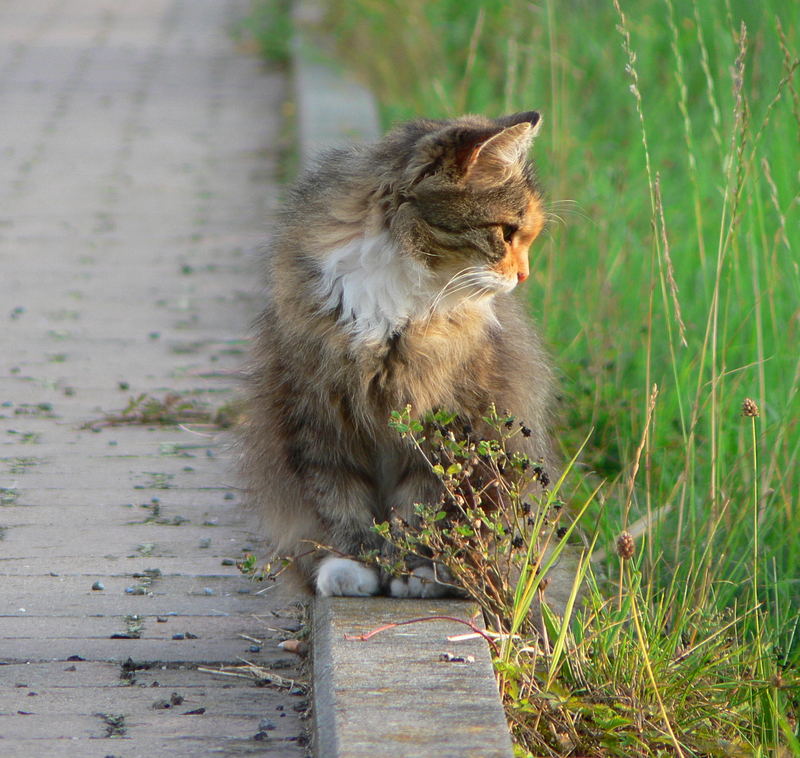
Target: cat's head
<point x="466" y="201"/>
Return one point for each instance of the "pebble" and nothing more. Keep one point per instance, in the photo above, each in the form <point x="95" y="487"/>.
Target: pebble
<point x="208" y="591"/>
<point x="254" y="648"/>
<point x="229" y="496"/>
<point x="265" y="725"/>
<point x="228" y="562"/>
<point x="205" y="542"/>
<point x="98" y="586"/>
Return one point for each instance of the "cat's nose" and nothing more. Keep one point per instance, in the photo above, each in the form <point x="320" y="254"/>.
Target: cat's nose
<point x="522" y="276"/>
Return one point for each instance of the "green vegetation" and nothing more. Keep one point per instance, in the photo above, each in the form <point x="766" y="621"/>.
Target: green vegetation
<point x="266" y="30"/>
<point x="669" y="294"/>
<point x="668" y="287"/>
<point x="640" y="670"/>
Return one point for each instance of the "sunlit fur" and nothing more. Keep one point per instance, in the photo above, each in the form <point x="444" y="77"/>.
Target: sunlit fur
<point x="388" y="283"/>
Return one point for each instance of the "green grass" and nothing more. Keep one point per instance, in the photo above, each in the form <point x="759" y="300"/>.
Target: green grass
<point x="670" y="154"/>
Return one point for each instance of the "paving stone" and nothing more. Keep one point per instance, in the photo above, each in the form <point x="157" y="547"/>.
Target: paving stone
<point x="393" y="696"/>
<point x="136" y="189"/>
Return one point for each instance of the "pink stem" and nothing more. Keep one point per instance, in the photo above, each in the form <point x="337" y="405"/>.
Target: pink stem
<point x="368" y="635"/>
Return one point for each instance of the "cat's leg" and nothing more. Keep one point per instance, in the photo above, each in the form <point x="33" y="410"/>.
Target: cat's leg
<point x="430" y="580"/>
<point x="344" y="576"/>
<point x="344" y="497"/>
<point x="427" y="579"/>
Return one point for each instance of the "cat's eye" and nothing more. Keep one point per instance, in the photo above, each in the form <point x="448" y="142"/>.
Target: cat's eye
<point x="508" y="230"/>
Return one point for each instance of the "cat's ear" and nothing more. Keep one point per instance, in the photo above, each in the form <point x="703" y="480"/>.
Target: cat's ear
<point x="533" y="118"/>
<point x="494" y="160"/>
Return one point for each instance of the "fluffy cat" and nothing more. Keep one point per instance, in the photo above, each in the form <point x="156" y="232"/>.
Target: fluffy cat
<point x="389" y="283"/>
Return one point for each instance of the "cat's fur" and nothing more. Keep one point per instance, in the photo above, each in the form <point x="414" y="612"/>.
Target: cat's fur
<point x="389" y="283"/>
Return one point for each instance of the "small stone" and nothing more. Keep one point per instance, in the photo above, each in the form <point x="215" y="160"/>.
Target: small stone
<point x="205" y="542"/>
<point x="208" y="591"/>
<point x="254" y="649"/>
<point x="179" y="636"/>
<point x="161" y="619"/>
<point x="298" y="647"/>
<point x="98" y="586"/>
<point x="261" y="736"/>
<point x="265" y="725"/>
<point x="454" y="658"/>
<point x="229" y="496"/>
<point x="228" y="562"/>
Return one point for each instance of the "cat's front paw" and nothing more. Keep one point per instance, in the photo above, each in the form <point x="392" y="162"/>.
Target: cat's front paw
<point x="420" y="583"/>
<point x="342" y="576"/>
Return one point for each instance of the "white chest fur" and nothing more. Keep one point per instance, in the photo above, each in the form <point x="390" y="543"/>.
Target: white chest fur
<point x="377" y="289"/>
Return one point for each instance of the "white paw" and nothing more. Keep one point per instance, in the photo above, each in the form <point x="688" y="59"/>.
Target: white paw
<point x="342" y="576"/>
<point x="421" y="583"/>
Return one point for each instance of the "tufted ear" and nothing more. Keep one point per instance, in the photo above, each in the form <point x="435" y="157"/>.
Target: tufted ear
<point x="483" y="154"/>
<point x="533" y="118"/>
<point x="496" y="159"/>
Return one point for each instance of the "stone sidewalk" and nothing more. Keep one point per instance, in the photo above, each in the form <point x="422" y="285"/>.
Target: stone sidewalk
<point x="137" y="151"/>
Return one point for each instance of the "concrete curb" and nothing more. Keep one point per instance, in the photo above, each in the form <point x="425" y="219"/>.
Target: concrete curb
<point x="393" y="695"/>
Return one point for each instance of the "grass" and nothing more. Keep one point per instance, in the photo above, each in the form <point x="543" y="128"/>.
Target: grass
<point x="669" y="290"/>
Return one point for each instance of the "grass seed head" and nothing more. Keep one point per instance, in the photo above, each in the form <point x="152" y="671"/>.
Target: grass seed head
<point x="626" y="547"/>
<point x="749" y="408"/>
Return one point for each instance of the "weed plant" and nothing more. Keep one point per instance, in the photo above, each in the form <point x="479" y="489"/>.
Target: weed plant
<point x="634" y="671"/>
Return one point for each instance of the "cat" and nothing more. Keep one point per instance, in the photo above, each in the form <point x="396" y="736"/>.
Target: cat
<point x="389" y="282"/>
